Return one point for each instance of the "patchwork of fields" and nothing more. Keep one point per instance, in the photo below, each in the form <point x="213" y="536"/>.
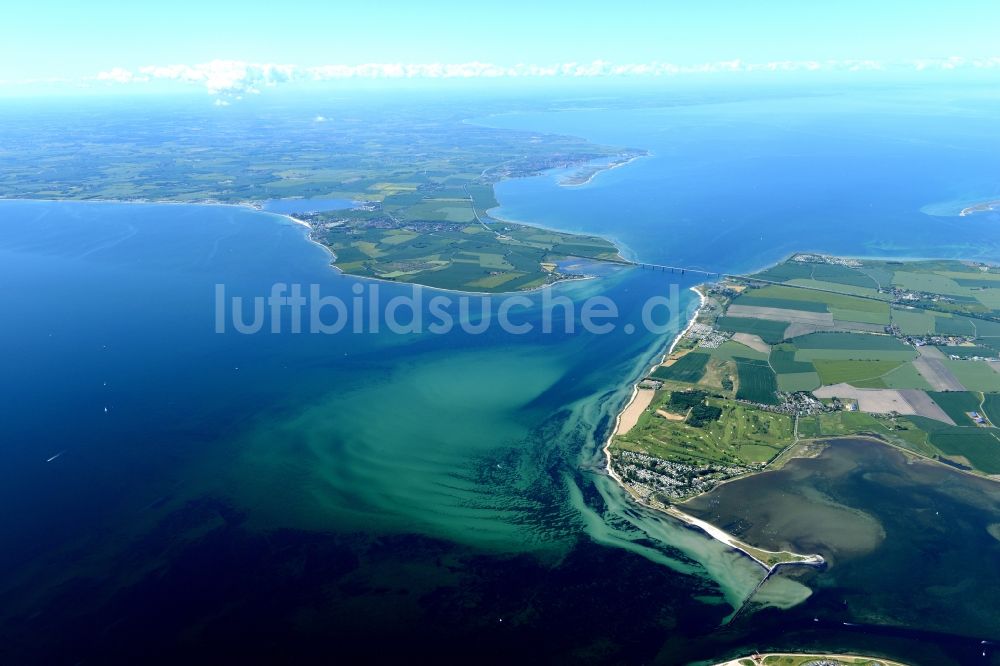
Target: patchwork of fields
<point x="422" y="195"/>
<point x="928" y="366"/>
<point x="905" y="351"/>
<point x="460" y="256"/>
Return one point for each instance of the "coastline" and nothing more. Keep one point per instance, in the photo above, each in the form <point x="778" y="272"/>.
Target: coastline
<point x="256" y="207"/>
<point x="621" y="247"/>
<point x="154" y="202"/>
<point x="333" y="265"/>
<point x="599" y="170"/>
<point x="309" y="236"/>
<point x="859" y="257"/>
<point x="769" y="560"/>
<point x="635" y="388"/>
<point x="797" y="447"/>
<point x="702" y="299"/>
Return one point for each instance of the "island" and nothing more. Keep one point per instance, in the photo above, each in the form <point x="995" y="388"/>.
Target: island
<point x="774" y="364"/>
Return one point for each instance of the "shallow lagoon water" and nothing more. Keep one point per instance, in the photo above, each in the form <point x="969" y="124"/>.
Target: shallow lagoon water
<point x="889" y="525"/>
<point x="440" y="494"/>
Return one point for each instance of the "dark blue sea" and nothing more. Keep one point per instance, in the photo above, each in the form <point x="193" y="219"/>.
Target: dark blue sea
<point x="174" y="492"/>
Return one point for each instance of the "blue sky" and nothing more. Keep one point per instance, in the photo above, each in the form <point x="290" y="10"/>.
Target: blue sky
<point x="73" y="42"/>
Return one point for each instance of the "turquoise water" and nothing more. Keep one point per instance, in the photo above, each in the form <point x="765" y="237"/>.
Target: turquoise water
<point x="487" y="442"/>
<point x="887" y="525"/>
<point x="281" y="495"/>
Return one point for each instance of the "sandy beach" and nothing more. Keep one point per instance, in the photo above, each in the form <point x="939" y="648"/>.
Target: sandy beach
<point x="634" y="409"/>
<point x="291" y="219"/>
<point x="632" y="405"/>
<point x="756" y="554"/>
<point x="702" y="299"/>
<point x="626" y="420"/>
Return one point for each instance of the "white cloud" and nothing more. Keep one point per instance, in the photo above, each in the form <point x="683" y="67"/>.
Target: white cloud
<point x="234" y="78"/>
<point x="954" y="63"/>
<point x="120" y="75"/>
<point x="224" y="76"/>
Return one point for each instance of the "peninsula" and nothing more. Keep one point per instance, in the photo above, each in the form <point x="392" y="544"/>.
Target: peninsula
<point x="421" y="197"/>
<point x="819" y="347"/>
<point x="444" y="237"/>
<point x="983" y="207"/>
<point x="588" y="172"/>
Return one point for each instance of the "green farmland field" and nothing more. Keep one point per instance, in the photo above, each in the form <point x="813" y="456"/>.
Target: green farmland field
<point x="956" y="404"/>
<point x="462" y="257"/>
<point x="969" y="352"/>
<point x="731" y="350"/>
<point x="751" y="298"/>
<point x="688" y="368"/>
<point x="904" y="376"/>
<point x="836" y="289"/>
<point x="783" y="361"/>
<point x="854" y="355"/>
<point x="850" y="341"/>
<point x="914" y="322"/>
<point x="975" y="375"/>
<point x="792" y="382"/>
<point x="992" y="408"/>
<point x="771" y="332"/>
<point x="757" y="382"/>
<point x="836" y="372"/>
<point x="954" y="326"/>
<point x="813" y="298"/>
<point x="980" y="446"/>
<point x="828" y="273"/>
